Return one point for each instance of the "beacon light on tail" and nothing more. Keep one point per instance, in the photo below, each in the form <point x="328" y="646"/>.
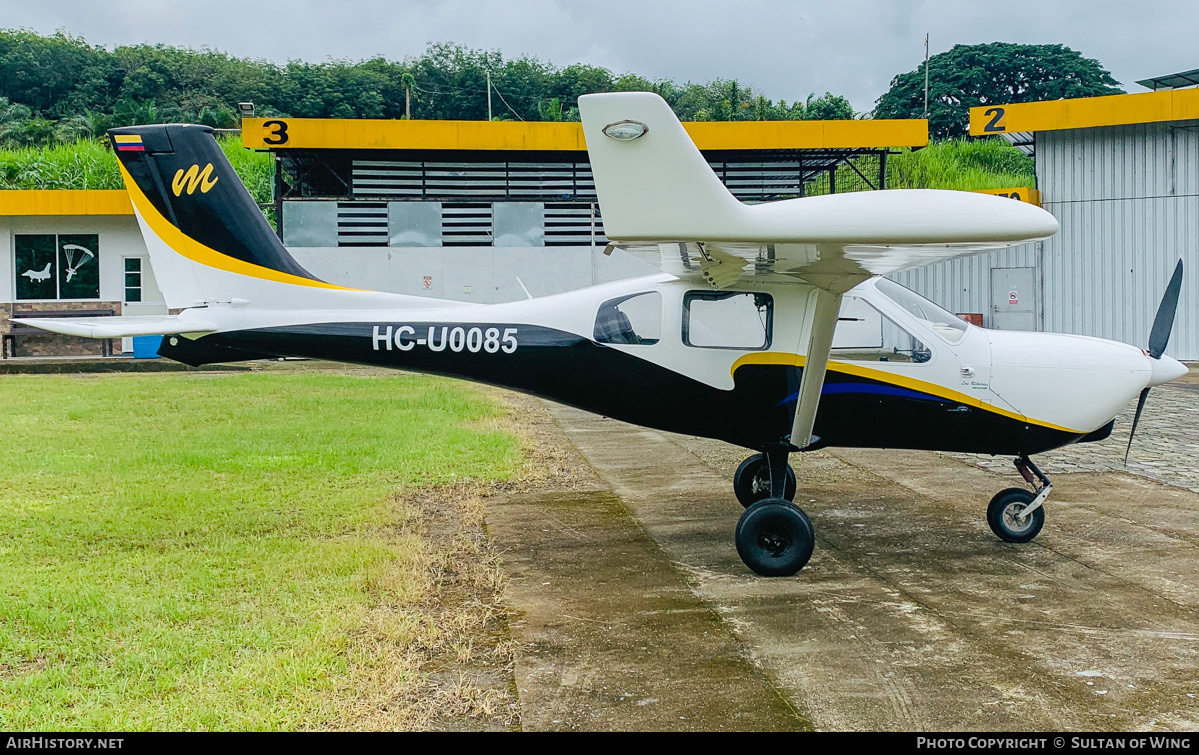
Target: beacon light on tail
<point x="738" y="338"/>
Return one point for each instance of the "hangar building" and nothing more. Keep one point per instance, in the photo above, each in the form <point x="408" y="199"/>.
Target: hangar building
<point x="485" y="211"/>
<point x="1121" y="174"/>
<point x="468" y="210"/>
<point x="70" y="253"/>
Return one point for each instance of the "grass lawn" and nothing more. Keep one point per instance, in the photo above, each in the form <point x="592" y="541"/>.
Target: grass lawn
<point x="214" y="551"/>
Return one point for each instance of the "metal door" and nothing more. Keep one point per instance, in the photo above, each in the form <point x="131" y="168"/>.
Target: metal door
<point x="1013" y="298"/>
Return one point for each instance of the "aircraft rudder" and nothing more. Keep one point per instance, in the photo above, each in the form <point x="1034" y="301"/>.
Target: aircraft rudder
<point x="189" y="197"/>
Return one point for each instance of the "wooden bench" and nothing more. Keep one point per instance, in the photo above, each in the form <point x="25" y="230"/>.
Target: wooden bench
<point x="8" y="344"/>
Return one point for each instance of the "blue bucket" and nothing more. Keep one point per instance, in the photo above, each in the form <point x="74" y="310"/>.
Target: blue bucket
<point x="146" y="347"/>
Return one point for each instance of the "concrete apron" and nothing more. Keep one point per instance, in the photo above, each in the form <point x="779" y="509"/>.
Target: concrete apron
<point x="609" y="635"/>
<point x="911" y="615"/>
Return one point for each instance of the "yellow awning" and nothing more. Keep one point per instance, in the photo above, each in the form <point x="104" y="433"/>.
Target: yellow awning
<point x="327" y="133"/>
<point x="65" y="202"/>
<point x="1086" y="112"/>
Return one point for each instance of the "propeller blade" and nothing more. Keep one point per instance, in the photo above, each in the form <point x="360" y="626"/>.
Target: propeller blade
<point x="1163" y="323"/>
<point x="1136" y="418"/>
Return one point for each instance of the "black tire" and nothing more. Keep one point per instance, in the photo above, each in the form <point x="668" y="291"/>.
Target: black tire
<point x="1002" y="511"/>
<point x="751" y="483"/>
<point x="775" y="538"/>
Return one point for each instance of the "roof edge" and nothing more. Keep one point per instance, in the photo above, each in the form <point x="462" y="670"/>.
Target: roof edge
<point x="24" y="202"/>
<point x="366" y="134"/>
<point x="1086" y="112"/>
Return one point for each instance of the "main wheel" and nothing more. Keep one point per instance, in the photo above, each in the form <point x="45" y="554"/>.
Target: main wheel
<point x="775" y="538"/>
<point x="751" y="483"/>
<point x="1003" y="514"/>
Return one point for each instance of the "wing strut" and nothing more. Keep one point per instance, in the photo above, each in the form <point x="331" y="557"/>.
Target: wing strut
<point x="820" y="345"/>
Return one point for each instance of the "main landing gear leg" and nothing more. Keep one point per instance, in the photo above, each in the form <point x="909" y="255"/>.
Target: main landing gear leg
<point x="1015" y="514"/>
<point x="756" y="477"/>
<point x="774" y="537"/>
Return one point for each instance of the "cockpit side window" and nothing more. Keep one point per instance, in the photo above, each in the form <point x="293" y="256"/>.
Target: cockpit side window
<point x="864" y="334"/>
<point x="635" y="319"/>
<point x="940" y="321"/>
<point x="728" y="319"/>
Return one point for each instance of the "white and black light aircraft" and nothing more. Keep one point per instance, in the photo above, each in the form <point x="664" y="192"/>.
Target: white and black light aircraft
<point x="734" y="339"/>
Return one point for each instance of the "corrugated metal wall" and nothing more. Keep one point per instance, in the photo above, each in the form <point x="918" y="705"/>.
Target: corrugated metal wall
<point x="1128" y="201"/>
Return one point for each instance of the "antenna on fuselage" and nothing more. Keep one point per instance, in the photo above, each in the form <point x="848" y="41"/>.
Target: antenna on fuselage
<point x="522" y="288"/>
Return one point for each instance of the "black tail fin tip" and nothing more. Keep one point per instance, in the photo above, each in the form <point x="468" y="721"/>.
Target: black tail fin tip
<point x="187" y="178"/>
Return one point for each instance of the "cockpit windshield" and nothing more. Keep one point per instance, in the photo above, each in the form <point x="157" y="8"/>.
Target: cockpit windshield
<point x="938" y="320"/>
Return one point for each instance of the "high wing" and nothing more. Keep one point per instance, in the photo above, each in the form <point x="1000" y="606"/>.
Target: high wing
<point x="661" y="201"/>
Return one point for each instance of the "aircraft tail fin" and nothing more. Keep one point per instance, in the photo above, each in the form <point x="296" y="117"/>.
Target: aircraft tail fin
<point x="653" y="183"/>
<point x="207" y="239"/>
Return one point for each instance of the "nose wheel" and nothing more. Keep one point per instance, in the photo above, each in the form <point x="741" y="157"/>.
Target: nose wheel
<point x="1017" y="515"/>
<point x="774" y="537"/>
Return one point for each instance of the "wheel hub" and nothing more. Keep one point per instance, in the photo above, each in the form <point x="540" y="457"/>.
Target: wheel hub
<point x="774" y="542"/>
<point x="1012" y="519"/>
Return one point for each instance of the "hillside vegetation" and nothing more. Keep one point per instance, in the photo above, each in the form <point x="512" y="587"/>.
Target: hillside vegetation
<point x="88" y="164"/>
<point x="55" y="89"/>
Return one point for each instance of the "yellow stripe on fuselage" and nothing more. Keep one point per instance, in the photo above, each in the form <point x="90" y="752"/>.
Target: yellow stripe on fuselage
<point x="899" y="381"/>
<point x="197" y="252"/>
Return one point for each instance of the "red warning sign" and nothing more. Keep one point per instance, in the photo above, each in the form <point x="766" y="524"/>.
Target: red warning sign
<point x="1013" y="297"/>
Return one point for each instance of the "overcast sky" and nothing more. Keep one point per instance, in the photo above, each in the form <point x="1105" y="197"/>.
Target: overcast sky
<point x="783" y="48"/>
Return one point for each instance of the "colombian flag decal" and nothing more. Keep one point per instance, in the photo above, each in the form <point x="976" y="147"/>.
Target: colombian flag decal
<point x="129" y="143"/>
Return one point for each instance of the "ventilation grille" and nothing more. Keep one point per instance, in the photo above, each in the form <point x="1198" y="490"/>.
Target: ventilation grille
<point x="484" y="181"/>
<point x="544" y="182"/>
<point x="570" y="225"/>
<point x="759" y="181"/>
<point x="361" y="224"/>
<point x="466" y="224"/>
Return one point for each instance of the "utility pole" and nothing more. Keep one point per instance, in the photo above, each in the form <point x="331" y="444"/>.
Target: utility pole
<point x="407" y="104"/>
<point x="489" y="95"/>
<point x="926" y="76"/>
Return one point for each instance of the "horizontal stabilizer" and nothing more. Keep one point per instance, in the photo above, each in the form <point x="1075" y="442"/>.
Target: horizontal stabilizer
<point x="119" y="327"/>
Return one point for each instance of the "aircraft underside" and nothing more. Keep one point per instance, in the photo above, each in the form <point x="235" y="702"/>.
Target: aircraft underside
<point x="564" y="367"/>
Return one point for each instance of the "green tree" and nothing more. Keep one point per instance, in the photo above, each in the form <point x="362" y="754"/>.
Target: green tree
<point x="996" y="73"/>
<point x="69" y="89"/>
<point x="827" y="107"/>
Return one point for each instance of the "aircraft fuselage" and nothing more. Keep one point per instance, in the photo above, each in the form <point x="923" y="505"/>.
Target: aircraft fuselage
<point x="990" y="392"/>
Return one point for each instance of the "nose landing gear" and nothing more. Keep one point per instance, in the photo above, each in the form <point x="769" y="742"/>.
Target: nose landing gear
<point x="1017" y="515"/>
<point x="774" y="537"/>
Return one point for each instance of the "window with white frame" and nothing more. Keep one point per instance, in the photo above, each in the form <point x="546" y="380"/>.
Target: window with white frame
<point x="133" y="279"/>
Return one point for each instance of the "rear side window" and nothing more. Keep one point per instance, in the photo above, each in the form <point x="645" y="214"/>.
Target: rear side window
<point x="633" y="320"/>
<point x="727" y="319"/>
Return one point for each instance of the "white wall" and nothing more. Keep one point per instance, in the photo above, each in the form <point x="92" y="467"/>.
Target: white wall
<point x="119" y="238"/>
<point x="482" y="274"/>
<point x="7" y="280"/>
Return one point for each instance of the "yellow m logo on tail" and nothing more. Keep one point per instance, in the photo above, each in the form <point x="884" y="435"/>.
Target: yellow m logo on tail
<point x="192" y="178"/>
